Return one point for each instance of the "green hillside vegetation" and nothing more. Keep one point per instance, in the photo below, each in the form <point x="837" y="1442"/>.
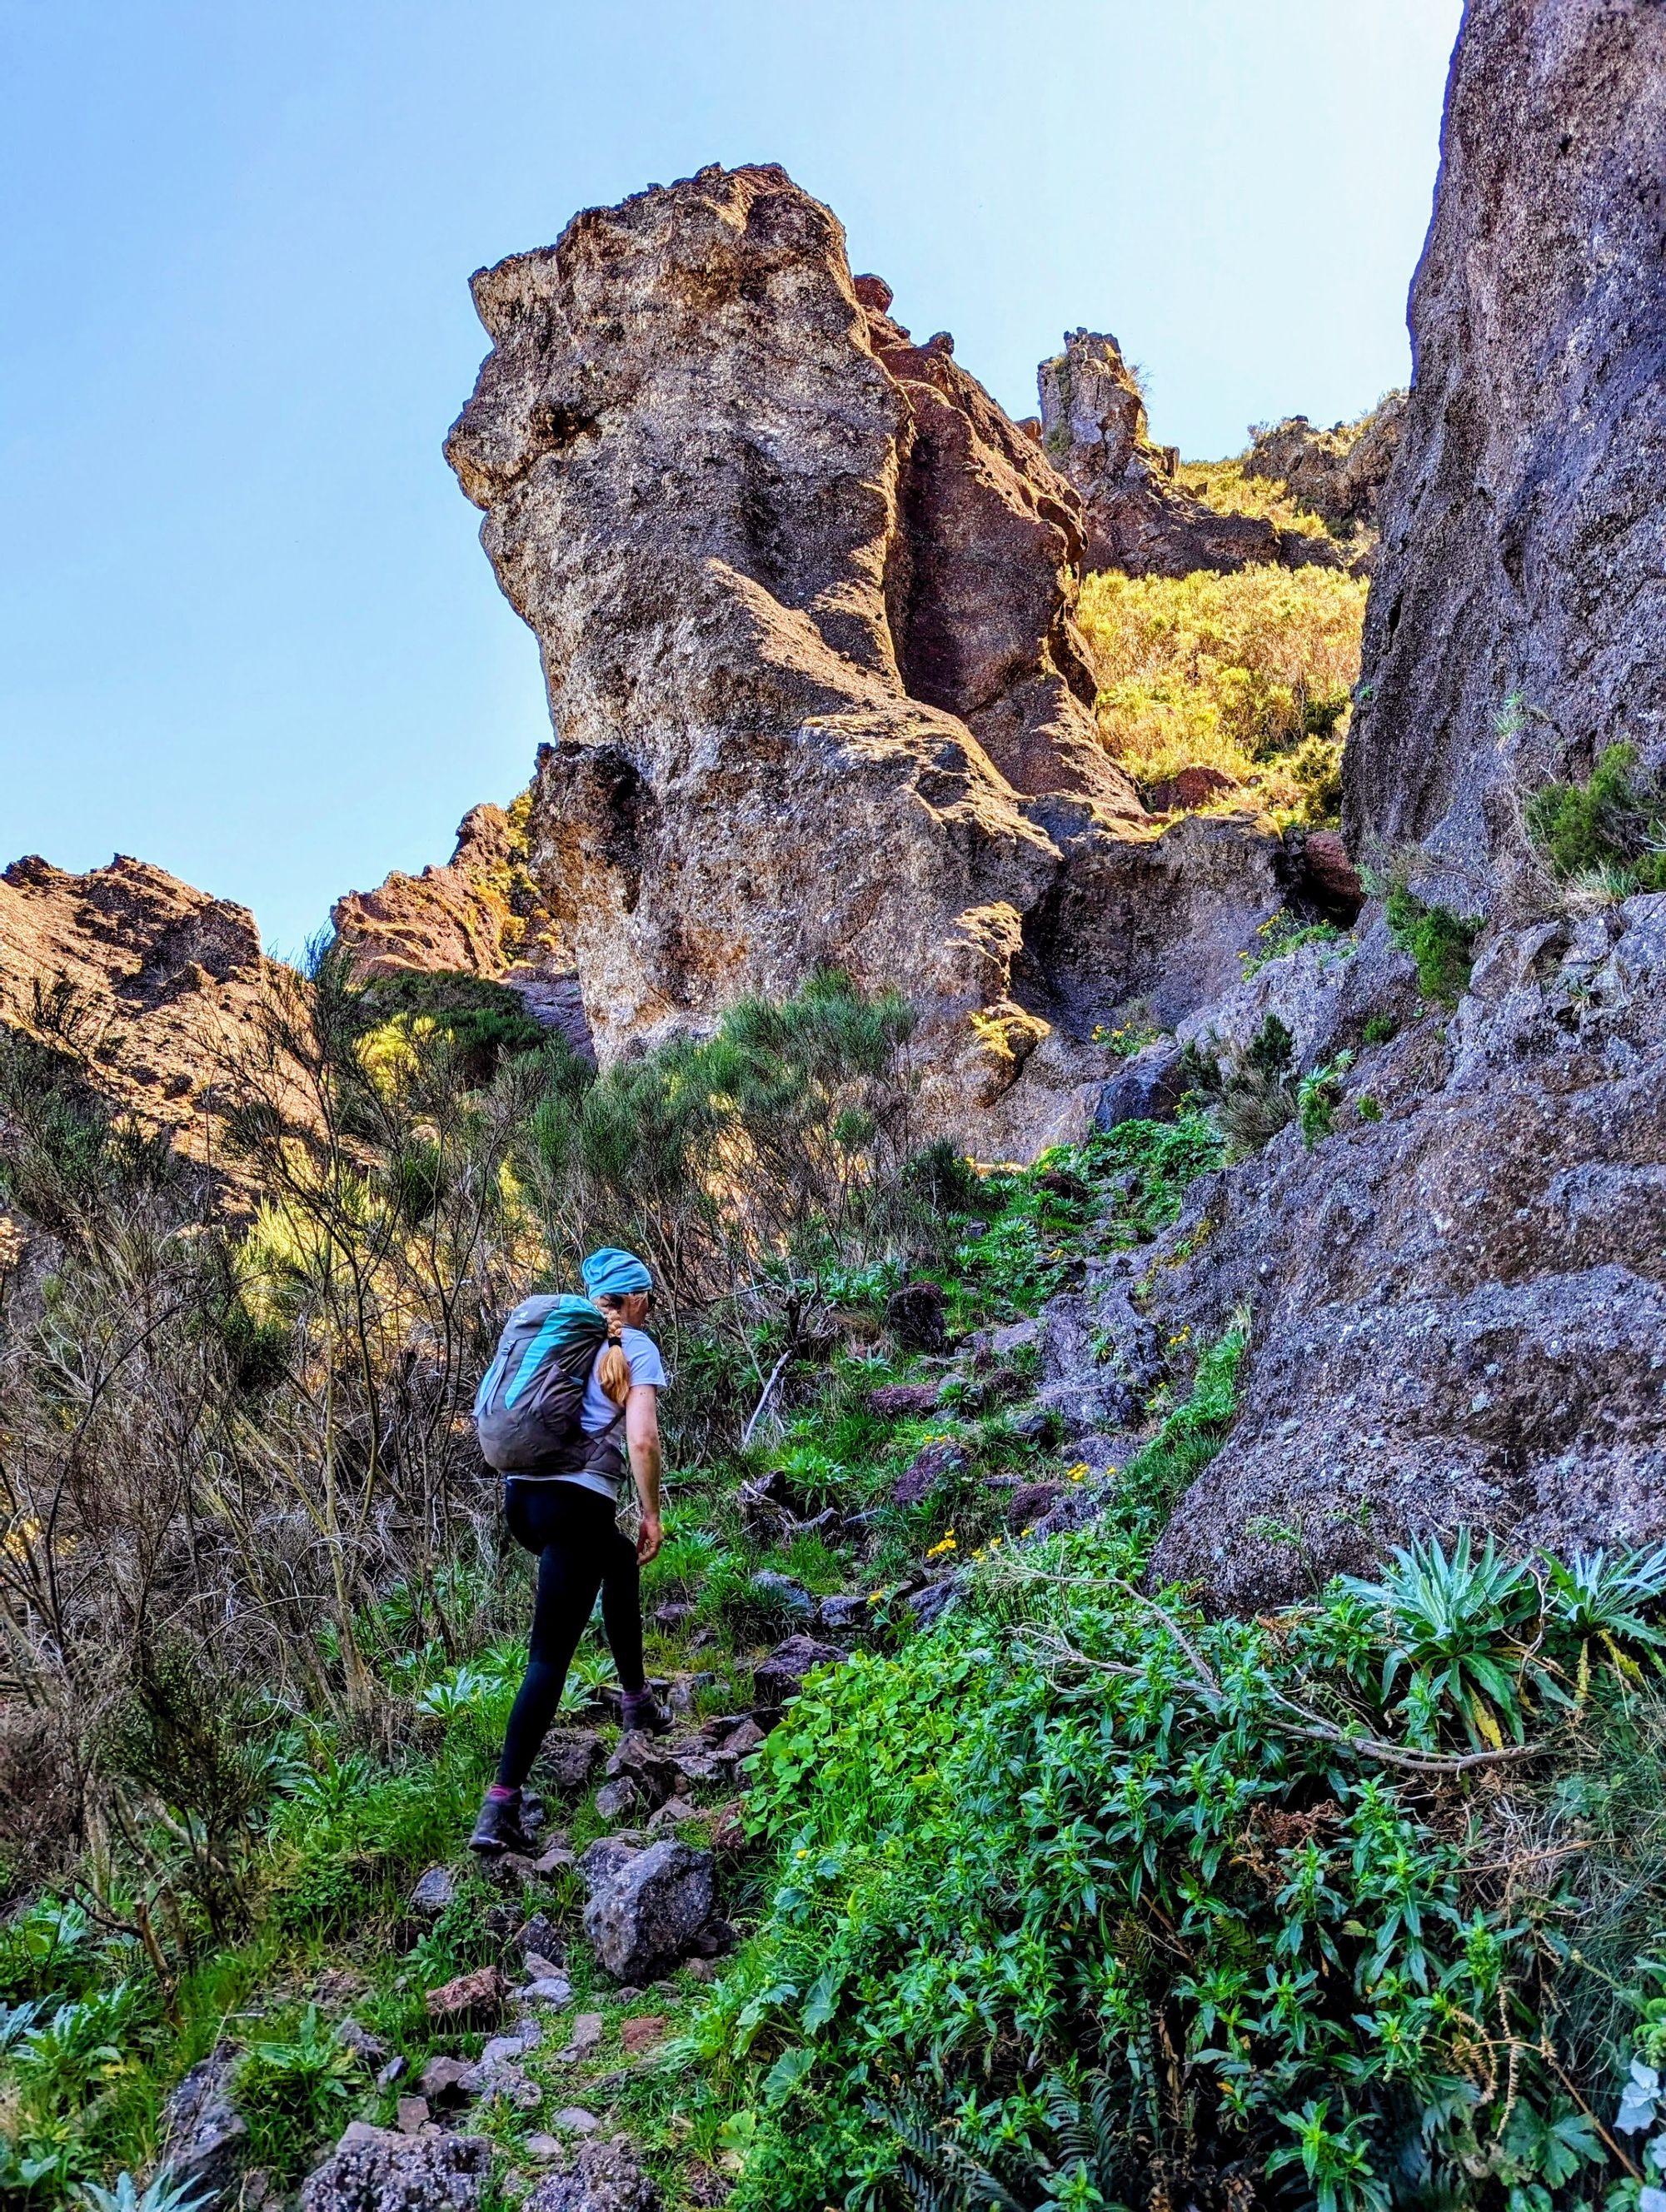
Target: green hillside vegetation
<point x="1228" y="487"/>
<point x="1060" y="1895"/>
<point x="1251" y="675"/>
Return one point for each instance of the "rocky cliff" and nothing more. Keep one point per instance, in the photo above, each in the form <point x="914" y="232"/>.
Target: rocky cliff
<point x="803" y="596"/>
<point x="1524" y="533"/>
<point x="156" y="981"/>
<point x="1457" y="1295"/>
<point x="479" y="914"/>
<point x="1138" y="519"/>
<point x="474" y="915"/>
<point x="1339" y="472"/>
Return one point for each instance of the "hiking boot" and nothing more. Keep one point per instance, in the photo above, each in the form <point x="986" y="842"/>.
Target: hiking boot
<point x="639" y="1714"/>
<point x="499" y="1829"/>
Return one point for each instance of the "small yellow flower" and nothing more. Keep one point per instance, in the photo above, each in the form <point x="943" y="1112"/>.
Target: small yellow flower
<point x="876" y="1597"/>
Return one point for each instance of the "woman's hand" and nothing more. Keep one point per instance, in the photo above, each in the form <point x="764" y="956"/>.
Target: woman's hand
<point x="649" y="1537"/>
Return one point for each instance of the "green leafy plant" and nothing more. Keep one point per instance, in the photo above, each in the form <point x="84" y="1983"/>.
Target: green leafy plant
<point x="1601" y="1603"/>
<point x="1081" y="1842"/>
<point x="1318" y="1095"/>
<point x="1440" y="943"/>
<point x="1284" y="932"/>
<point x="294" y="2090"/>
<point x="1609" y="832"/>
<point x="163" y="2192"/>
<point x="1456" y="1624"/>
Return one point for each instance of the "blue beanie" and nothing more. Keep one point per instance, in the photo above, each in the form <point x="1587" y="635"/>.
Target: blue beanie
<point x="612" y="1274"/>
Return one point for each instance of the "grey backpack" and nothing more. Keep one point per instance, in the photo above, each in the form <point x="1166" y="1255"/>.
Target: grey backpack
<point x="526" y="1409"/>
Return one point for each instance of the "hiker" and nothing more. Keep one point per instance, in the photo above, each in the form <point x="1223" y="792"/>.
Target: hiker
<point x="572" y="1395"/>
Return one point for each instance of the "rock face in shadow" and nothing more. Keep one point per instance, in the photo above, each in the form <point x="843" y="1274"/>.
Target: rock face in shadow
<point x="804" y="600"/>
<point x="1139" y="519"/>
<point x="1523" y="526"/>
<point x="1459" y="1308"/>
<point x="157" y="983"/>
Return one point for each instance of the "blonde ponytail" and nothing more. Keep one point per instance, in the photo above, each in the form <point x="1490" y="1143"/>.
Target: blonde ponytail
<point x="614" y="1372"/>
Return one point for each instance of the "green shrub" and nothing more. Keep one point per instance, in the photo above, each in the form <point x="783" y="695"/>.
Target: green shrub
<point x="482" y="1023"/>
<point x="1441" y="943"/>
<point x="1249" y="674"/>
<point x="1286" y="932"/>
<point x="1252" y="1097"/>
<point x="1614" y="825"/>
<point x="1318" y="1095"/>
<point x="1079" y="1846"/>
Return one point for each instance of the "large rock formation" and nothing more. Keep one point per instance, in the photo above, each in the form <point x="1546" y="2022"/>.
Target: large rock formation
<point x="1523" y="531"/>
<point x="473" y="915"/>
<point x="157" y="985"/>
<point x="1339" y="473"/>
<point x="1458" y="1308"/>
<point x="480" y="915"/>
<point x="1139" y="520"/>
<point x="1459" y="1298"/>
<point x="803" y="595"/>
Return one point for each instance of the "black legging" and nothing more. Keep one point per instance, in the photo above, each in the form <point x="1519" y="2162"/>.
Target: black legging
<point x="580" y="1550"/>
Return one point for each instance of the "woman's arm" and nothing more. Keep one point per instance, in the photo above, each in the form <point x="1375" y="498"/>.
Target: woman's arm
<point x="642" y="1440"/>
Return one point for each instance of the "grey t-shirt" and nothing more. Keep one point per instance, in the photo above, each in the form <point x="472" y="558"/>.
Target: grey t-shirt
<point x="599" y="1412"/>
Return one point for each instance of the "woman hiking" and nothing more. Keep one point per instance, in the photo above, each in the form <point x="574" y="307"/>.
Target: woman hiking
<point x="574" y="1405"/>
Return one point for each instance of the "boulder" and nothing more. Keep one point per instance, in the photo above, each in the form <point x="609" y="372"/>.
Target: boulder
<point x="538" y="1938"/>
<point x="435" y="1891"/>
<point x="1524" y="508"/>
<point x="568" y="1760"/>
<point x="475" y="1998"/>
<point x="441" y="2080"/>
<point x="605" y="1857"/>
<point x="931" y="1465"/>
<point x="800" y="586"/>
<point x="603" y="2176"/>
<point x="781" y="1593"/>
<point x="1147" y="1088"/>
<point x="619" y="1799"/>
<point x="914" y="1315"/>
<point x="1028" y="1502"/>
<point x="205" y="2138"/>
<point x="904" y="1402"/>
<point x="644" y="1762"/>
<point x="778" y="1677"/>
<point x="639" y="1917"/>
<point x="380" y="2170"/>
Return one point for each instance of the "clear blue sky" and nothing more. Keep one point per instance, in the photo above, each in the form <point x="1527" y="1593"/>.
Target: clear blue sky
<point x="246" y="630"/>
